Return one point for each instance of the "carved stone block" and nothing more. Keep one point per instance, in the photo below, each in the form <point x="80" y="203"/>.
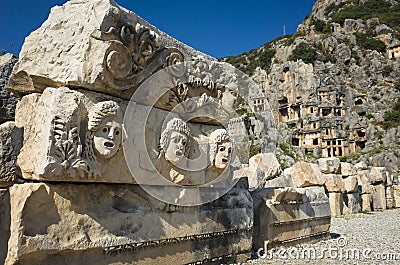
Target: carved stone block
<point x="288" y="216"/>
<point x="103" y="224"/>
<point x="111" y="52"/>
<point x="72" y="136"/>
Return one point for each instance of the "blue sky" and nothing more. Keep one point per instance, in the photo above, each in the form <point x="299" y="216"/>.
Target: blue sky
<point x="216" y="27"/>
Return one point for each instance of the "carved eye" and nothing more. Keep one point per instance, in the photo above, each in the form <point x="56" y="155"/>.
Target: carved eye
<point x="117" y="132"/>
<point x="229" y="150"/>
<point x="105" y="130"/>
<point x="221" y="149"/>
<point x="183" y="142"/>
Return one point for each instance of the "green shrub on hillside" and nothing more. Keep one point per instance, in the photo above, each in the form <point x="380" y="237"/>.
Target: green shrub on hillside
<point x="265" y="58"/>
<point x="383" y="10"/>
<point x="304" y="52"/>
<point x="392" y="118"/>
<point x="321" y="26"/>
<point x="369" y="43"/>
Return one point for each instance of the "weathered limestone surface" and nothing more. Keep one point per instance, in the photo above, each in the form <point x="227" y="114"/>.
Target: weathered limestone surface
<point x="97" y="110"/>
<point x="96" y="45"/>
<point x="329" y="165"/>
<point x="333" y="183"/>
<point x="306" y="174"/>
<point x="7" y="100"/>
<point x="350" y="184"/>
<point x="378" y="175"/>
<point x="396" y="191"/>
<point x="366" y="201"/>
<point x="336" y="203"/>
<point x="51" y="225"/>
<point x="347" y="169"/>
<point x="390" y="200"/>
<point x="378" y="197"/>
<point x="59" y="142"/>
<point x="10" y="144"/>
<point x="288" y="216"/>
<point x="262" y="167"/>
<point x="5" y="221"/>
<point x="351" y="203"/>
<point x="364" y="180"/>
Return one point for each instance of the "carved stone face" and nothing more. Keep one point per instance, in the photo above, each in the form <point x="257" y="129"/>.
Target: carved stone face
<point x="107" y="138"/>
<point x="229" y="98"/>
<point x="222" y="155"/>
<point x="176" y="148"/>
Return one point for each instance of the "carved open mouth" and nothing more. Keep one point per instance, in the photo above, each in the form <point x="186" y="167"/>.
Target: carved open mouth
<point x="225" y="160"/>
<point x="178" y="153"/>
<point x="109" y="144"/>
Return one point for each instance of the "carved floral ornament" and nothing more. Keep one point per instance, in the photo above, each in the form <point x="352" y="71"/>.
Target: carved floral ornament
<point x="133" y="54"/>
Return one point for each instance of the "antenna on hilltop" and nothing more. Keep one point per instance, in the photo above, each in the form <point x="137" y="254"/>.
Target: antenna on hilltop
<point x="284" y="29"/>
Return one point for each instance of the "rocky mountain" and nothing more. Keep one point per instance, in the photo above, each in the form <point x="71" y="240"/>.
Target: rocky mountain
<point x="334" y="84"/>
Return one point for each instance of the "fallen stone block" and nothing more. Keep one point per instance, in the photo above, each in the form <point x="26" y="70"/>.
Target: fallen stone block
<point x="287" y="216"/>
<point x="378" y="175"/>
<point x="396" y="194"/>
<point x="116" y="224"/>
<point x="336" y="203"/>
<point x="351" y="203"/>
<point x="378" y="198"/>
<point x="306" y="174"/>
<point x="347" y="169"/>
<point x="390" y="200"/>
<point x="330" y="165"/>
<point x="333" y="183"/>
<point x="364" y="181"/>
<point x="350" y="184"/>
<point x="262" y="167"/>
<point x="360" y="166"/>
<point x="366" y="201"/>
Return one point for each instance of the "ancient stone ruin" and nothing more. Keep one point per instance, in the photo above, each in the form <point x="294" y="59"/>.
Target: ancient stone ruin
<point x="126" y="148"/>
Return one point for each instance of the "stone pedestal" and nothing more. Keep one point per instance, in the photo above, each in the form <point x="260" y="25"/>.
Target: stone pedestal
<point x="103" y="224"/>
<point x="378" y="197"/>
<point x="287" y="216"/>
<point x="396" y="191"/>
<point x="390" y="200"/>
<point x="336" y="203"/>
<point x="366" y="200"/>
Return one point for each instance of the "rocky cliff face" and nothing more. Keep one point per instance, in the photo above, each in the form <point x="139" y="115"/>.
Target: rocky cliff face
<point x="332" y="85"/>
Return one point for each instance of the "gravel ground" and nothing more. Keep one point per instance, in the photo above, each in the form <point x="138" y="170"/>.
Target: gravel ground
<point x="374" y="236"/>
